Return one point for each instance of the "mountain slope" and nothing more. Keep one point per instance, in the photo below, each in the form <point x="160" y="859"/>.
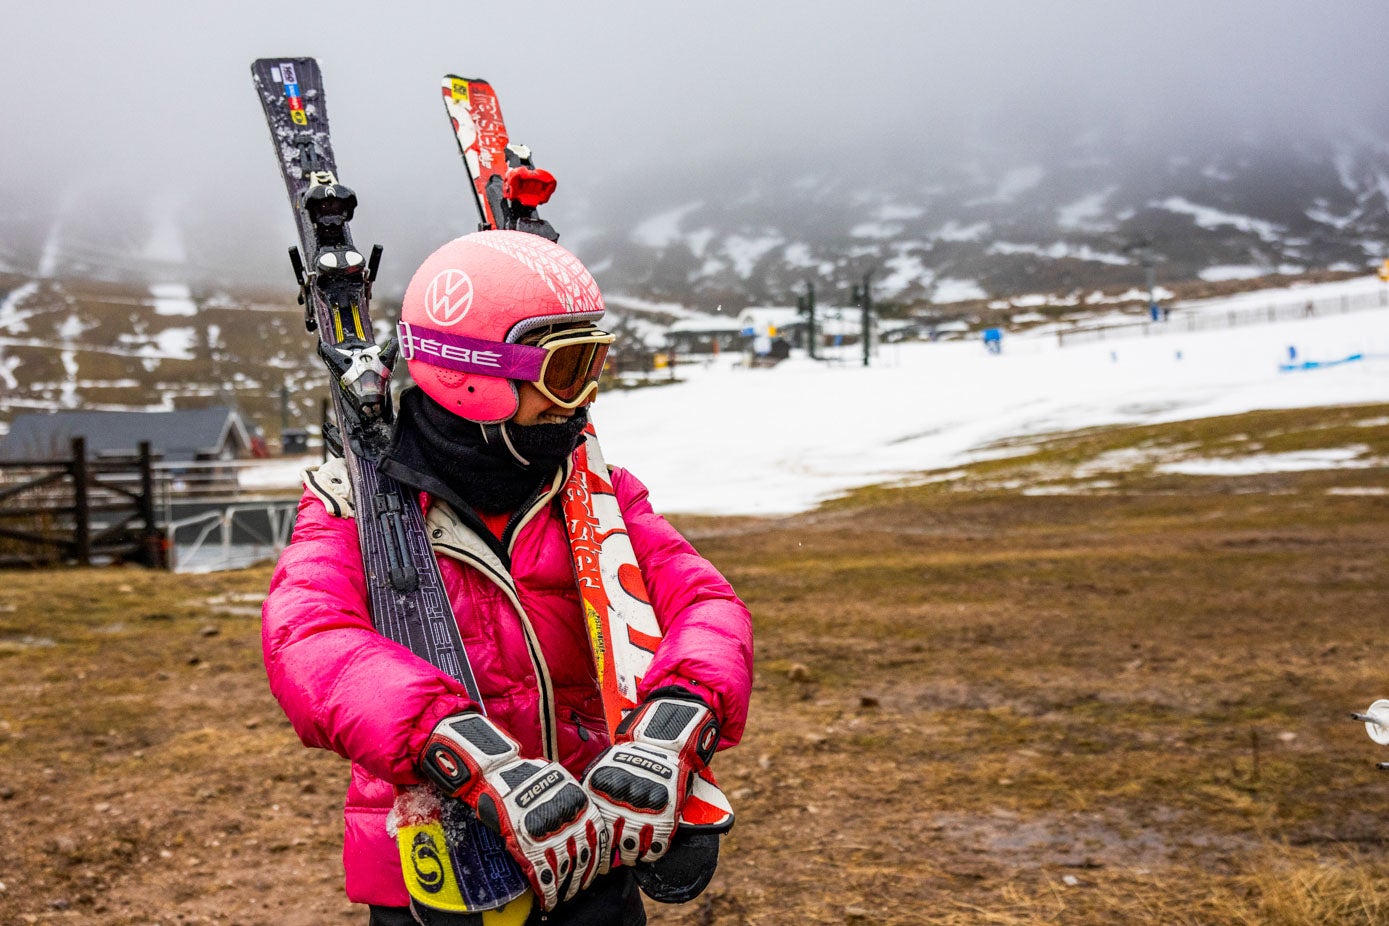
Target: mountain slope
<point x="997" y="222"/>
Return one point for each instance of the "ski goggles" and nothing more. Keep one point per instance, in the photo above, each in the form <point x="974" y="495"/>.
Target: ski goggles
<point x="564" y="365"/>
<point x="573" y="364"/>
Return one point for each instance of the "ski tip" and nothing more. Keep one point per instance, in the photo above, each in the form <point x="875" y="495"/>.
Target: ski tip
<point x="288" y="69"/>
<point x="292" y="59"/>
<point x="458" y="88"/>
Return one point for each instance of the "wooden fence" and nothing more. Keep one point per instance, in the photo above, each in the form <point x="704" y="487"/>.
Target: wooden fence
<point x="79" y="510"/>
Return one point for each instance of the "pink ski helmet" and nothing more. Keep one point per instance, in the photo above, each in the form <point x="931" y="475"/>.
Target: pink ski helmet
<point x="469" y="304"/>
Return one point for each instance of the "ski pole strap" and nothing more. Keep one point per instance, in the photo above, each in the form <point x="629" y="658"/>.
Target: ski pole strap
<point x="470" y="355"/>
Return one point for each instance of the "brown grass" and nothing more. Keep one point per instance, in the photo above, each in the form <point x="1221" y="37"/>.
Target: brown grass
<point x="972" y="706"/>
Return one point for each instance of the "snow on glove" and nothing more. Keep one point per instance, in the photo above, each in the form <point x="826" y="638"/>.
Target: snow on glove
<point x="548" y="821"/>
<point x="639" y="783"/>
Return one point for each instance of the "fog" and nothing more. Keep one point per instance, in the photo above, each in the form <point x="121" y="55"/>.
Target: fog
<point x="131" y="128"/>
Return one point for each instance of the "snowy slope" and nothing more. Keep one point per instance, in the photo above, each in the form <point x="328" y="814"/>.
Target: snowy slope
<point x="761" y="441"/>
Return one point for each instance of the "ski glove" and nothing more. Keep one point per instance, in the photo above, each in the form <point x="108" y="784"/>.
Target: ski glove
<point x="640" y="782"/>
<point x="549" y="823"/>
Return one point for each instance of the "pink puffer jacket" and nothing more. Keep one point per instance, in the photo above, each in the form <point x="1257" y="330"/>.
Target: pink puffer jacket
<point x="348" y="689"/>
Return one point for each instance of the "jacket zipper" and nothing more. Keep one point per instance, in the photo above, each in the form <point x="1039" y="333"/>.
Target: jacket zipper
<point x="549" y="718"/>
<point x="548" y="724"/>
<point x="549" y="721"/>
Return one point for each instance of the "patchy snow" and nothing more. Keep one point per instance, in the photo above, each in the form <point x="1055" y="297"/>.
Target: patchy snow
<point x="11" y="318"/>
<point x="699" y="240"/>
<point x="897" y="211"/>
<point x="169" y="344"/>
<point x="951" y="289"/>
<point x="954" y="231"/>
<point x="67" y="397"/>
<point x="903" y="271"/>
<point x="1222" y="272"/>
<point x="173" y="299"/>
<point x="663" y="229"/>
<point x="799" y="255"/>
<point x="1161" y="293"/>
<point x="7" y="367"/>
<point x="876" y="229"/>
<point x="71" y="328"/>
<point x="1058" y="250"/>
<point x="1259" y="464"/>
<point x="1084" y="213"/>
<point x="745" y="252"/>
<point x="1321" y="214"/>
<point x="1209" y="217"/>
<point x="1018" y="181"/>
<point x="711" y="267"/>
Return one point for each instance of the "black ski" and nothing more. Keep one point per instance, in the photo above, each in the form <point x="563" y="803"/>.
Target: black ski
<point x="408" y="601"/>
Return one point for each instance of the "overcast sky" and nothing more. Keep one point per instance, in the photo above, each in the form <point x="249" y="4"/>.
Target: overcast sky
<point x="140" y="107"/>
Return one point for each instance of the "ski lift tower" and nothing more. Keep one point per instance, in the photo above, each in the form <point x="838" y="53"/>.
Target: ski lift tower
<point x="1143" y="249"/>
<point x="863" y="295"/>
<point x="806" y="306"/>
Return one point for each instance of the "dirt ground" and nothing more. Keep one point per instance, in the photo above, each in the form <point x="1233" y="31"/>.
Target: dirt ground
<point x="1039" y="691"/>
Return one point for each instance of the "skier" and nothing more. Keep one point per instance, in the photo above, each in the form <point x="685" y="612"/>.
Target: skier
<point x="499" y="336"/>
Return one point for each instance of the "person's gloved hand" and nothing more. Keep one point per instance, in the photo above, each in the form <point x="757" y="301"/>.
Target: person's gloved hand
<point x="550" y="825"/>
<point x="640" y="782"/>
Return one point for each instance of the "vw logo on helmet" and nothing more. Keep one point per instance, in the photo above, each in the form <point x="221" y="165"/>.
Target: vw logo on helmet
<point x="448" y="298"/>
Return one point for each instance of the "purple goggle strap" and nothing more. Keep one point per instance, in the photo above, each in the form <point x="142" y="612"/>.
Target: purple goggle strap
<point x="470" y="355"/>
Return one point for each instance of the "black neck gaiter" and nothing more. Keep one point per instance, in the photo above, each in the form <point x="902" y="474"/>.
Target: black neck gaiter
<point x="473" y="460"/>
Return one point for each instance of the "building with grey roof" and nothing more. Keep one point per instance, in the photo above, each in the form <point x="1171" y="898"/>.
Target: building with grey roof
<point x="189" y="435"/>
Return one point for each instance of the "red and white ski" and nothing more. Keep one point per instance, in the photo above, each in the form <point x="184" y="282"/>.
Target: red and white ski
<point x="507" y="186"/>
<point x="622" y="627"/>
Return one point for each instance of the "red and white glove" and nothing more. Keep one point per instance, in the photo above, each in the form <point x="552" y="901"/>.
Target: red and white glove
<point x="551" y="827"/>
<point x="640" y="782"/>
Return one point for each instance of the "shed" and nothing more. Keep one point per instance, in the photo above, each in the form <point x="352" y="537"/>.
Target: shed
<point x="191" y="435"/>
<point x="706" y="335"/>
